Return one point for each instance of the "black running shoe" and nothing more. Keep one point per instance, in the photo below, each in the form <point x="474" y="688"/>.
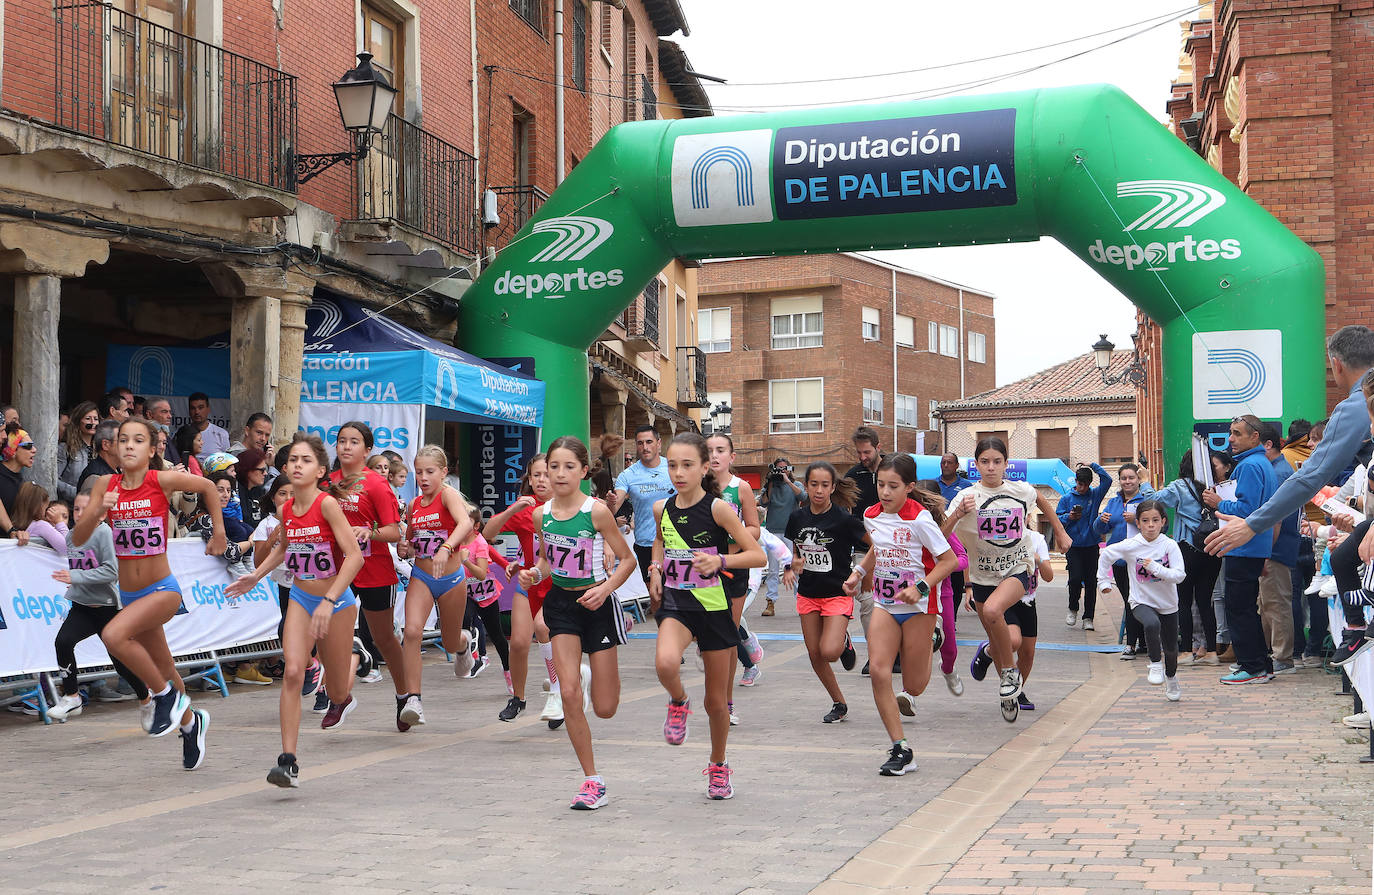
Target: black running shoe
<point x="865" y="670"/>
<point x="286" y="774"/>
<point x="1024" y="702"/>
<point x="1352" y="641"/>
<point x="981" y="662"/>
<point x="897" y="762"/>
<point x="513" y="708"/>
<point x="836" y="713"/>
<point x="193" y="743"/>
<point x="848" y="658"/>
<point x="365" y="662"/>
<point x="167" y="711"/>
<point x="897" y="665"/>
<point x="321" y="702"/>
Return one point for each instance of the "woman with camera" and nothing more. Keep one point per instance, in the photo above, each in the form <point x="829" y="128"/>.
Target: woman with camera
<point x="778" y="497"/>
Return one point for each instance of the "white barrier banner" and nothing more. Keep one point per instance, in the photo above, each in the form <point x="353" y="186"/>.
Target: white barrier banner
<point x="33" y="607"/>
<point x="395" y="427"/>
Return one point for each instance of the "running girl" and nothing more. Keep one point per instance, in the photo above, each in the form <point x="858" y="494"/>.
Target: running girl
<point x="526" y="615"/>
<point x="1023" y="624"/>
<point x="134" y="501"/>
<point x="909" y="559"/>
<point x="693" y="559"/>
<point x="1155" y="565"/>
<point x="487" y="579"/>
<point x="827" y="535"/>
<point x="375" y="517"/>
<point x="437" y="521"/>
<point x="321" y="551"/>
<point x="581" y="610"/>
<point x="737" y="493"/>
<point x="992" y="517"/>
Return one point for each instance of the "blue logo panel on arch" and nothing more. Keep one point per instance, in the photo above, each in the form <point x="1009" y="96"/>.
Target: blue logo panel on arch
<point x="483" y="391"/>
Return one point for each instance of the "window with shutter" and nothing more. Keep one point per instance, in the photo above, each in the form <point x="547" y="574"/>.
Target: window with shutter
<point x="1052" y="443"/>
<point x="1115" y="444"/>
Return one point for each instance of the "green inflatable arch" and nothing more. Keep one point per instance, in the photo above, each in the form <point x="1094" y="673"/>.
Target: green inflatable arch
<point x="1240" y="298"/>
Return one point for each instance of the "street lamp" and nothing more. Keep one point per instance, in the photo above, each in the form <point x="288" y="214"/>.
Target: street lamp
<point x="721" y="416"/>
<point x="1133" y="373"/>
<point x="365" y="98"/>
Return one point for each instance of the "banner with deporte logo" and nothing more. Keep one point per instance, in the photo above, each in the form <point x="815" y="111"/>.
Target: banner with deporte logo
<point x="33" y="607"/>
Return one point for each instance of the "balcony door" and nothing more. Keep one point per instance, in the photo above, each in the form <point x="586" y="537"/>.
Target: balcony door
<point x="149" y="74"/>
<point x="389" y="178"/>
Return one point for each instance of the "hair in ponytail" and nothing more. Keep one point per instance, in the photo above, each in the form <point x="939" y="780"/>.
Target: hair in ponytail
<point x="846" y="492"/>
<point x="694" y="440"/>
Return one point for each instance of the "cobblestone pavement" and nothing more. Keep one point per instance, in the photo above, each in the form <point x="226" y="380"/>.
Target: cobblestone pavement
<point x="1079" y="798"/>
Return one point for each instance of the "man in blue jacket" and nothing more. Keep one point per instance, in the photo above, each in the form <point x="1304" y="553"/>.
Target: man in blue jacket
<point x="1116" y="522"/>
<point x="1255" y="484"/>
<point x="1077" y="511"/>
<point x="1276" y="584"/>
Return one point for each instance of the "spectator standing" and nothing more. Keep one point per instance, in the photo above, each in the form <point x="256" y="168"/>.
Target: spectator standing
<point x="1276" y="584"/>
<point x="603" y="481"/>
<point x="188" y="445"/>
<point x="864" y="474"/>
<point x="77" y="448"/>
<point x="779" y="495"/>
<point x="9" y="414"/>
<point x="16" y="455"/>
<point x="645" y="482"/>
<point x="112" y="406"/>
<point x="159" y="412"/>
<point x="950" y="482"/>
<point x="213" y="439"/>
<point x="106" y="461"/>
<point x="251" y="471"/>
<point x="1078" y="511"/>
<point x="1255" y="485"/>
<point x="257" y="433"/>
<point x="1350" y="352"/>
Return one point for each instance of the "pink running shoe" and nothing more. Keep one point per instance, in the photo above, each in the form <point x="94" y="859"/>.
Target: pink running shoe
<point x="675" y="728"/>
<point x="753" y="648"/>
<point x="592" y="796"/>
<point x="510" y="685"/>
<point x="718" y="782"/>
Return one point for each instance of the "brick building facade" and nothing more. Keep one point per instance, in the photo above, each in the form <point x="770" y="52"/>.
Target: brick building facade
<point x="1277" y="95"/>
<point x="802" y="351"/>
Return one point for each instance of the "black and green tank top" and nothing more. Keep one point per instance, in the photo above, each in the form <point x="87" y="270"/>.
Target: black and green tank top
<point x="686" y="532"/>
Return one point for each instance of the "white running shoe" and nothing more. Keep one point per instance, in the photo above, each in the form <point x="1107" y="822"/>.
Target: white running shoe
<point x="1358" y="721"/>
<point x="906" y="704"/>
<point x="586" y="688"/>
<point x="412" y="712"/>
<point x="1315" y="587"/>
<point x="1328" y="588"/>
<point x="372" y="677"/>
<point x="1011" y="684"/>
<point x="1071" y="619"/>
<point x="1155" y="674"/>
<point x="462" y="658"/>
<point x="1088" y="625"/>
<point x="145" y="714"/>
<point x="67" y="707"/>
<point x="1172" y="691"/>
<point x="553" y="707"/>
<point x="952" y="680"/>
<point x="701" y="663"/>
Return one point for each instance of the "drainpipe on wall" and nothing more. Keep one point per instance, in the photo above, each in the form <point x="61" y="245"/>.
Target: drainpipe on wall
<point x="963" y="353"/>
<point x="894" y="360"/>
<point x="558" y="135"/>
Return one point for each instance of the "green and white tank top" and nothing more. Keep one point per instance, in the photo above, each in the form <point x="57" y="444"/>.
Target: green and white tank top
<point x="574" y="548"/>
<point x="687" y="532"/>
<point x="730" y="494"/>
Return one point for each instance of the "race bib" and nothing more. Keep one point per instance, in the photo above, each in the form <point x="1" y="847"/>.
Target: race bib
<point x="139" y="537"/>
<point x="1002" y="524"/>
<point x="1141" y="573"/>
<point x="310" y="562"/>
<point x="569" y="557"/>
<point x="887" y="583"/>
<point x="82" y="560"/>
<point x="815" y="559"/>
<point x="427" y="542"/>
<point x="680" y="574"/>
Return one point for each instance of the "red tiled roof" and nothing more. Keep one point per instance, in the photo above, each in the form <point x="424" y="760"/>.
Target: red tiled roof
<point x="1073" y="381"/>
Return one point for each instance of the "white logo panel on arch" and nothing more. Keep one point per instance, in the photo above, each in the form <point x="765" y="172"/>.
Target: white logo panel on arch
<point x="1236" y="372"/>
<point x="723" y="178"/>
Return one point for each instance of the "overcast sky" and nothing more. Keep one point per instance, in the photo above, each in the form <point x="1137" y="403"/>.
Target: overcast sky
<point x="751" y="41"/>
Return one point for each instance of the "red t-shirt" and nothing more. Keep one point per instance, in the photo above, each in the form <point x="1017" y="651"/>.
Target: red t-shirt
<point x="373" y="505"/>
<point x="523" y="527"/>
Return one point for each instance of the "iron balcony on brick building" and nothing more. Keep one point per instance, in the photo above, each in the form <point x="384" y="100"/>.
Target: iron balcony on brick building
<point x="691" y="376"/>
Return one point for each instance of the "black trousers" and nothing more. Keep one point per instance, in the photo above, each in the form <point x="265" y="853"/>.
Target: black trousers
<point x="1345" y="565"/>
<point x="1196" y="589"/>
<point x="1242" y="576"/>
<point x="489" y="629"/>
<point x="1135" y="632"/>
<point x="1082" y="566"/>
<point x="82" y="622"/>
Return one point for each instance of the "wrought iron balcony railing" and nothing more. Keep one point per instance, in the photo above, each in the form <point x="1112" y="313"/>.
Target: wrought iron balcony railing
<point x="133" y="82"/>
<point x="691" y="376"/>
<point x="515" y="205"/>
<point x="417" y="179"/>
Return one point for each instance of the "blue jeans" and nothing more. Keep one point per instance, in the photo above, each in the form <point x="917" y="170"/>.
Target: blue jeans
<point x="1242" y="576"/>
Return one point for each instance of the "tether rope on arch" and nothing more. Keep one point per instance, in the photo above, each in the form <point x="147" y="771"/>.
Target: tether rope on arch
<point x="1078" y="160"/>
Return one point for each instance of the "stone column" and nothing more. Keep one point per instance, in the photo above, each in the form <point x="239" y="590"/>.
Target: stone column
<point x="39" y="258"/>
<point x="613" y="400"/>
<point x="267" y="337"/>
